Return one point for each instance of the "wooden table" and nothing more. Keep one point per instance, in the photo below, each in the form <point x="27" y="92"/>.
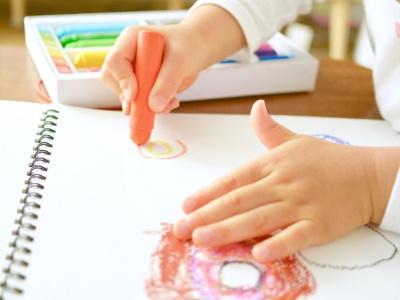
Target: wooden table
<point x="343" y="89"/>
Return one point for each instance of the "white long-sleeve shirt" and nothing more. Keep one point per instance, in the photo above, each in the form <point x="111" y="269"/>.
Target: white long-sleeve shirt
<point x="260" y="19"/>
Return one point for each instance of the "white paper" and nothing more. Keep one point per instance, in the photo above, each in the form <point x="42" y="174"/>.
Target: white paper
<point x="102" y="197"/>
<point x="17" y="134"/>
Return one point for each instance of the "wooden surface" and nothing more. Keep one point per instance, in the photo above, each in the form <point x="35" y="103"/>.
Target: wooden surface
<point x="18" y="76"/>
<point x="343" y="89"/>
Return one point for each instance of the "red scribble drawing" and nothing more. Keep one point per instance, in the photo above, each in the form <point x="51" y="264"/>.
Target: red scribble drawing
<point x="180" y="270"/>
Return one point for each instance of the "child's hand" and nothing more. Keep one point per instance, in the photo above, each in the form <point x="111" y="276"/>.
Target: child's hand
<point x="304" y="192"/>
<point x="207" y="36"/>
<point x="178" y="71"/>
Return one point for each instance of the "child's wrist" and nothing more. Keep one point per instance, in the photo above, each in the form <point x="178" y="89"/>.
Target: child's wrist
<point x="371" y="174"/>
<point x="217" y="31"/>
<point x="203" y="42"/>
<point x="384" y="165"/>
<point x="196" y="43"/>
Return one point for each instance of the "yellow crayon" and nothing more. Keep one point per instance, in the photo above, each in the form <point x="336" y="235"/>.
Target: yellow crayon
<point x="54" y="52"/>
<point x="90" y="59"/>
<point x="50" y="42"/>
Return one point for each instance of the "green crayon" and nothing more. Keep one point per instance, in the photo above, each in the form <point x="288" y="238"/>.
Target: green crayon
<point x="92" y="43"/>
<point x="71" y="38"/>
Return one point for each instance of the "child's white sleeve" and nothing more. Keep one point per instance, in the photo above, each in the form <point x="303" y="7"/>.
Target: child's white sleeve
<point x="391" y="218"/>
<point x="260" y="19"/>
<point x="383" y="19"/>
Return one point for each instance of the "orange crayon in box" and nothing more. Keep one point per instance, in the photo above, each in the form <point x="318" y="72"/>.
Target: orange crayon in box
<point x="149" y="55"/>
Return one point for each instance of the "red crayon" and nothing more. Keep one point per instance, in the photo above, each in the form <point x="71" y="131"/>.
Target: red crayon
<point x="149" y="55"/>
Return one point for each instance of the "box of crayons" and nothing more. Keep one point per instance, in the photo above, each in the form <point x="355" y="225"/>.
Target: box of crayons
<point x="69" y="50"/>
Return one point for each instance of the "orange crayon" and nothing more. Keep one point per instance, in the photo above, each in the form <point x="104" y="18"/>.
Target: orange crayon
<point x="149" y="55"/>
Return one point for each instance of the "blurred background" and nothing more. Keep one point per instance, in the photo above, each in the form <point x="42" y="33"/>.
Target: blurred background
<point x="333" y="29"/>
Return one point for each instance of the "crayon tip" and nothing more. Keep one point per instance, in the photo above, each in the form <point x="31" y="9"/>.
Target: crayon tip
<point x="140" y="136"/>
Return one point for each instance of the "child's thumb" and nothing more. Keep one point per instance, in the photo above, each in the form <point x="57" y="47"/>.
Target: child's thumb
<point x="165" y="88"/>
<point x="269" y="132"/>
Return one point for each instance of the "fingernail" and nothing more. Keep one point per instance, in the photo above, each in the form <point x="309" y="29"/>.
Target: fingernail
<point x="124" y="107"/>
<point x="127" y="95"/>
<point x="261" y="253"/>
<point x="183" y="229"/>
<point x="157" y="103"/>
<point x="175" y="106"/>
<point x="125" y="100"/>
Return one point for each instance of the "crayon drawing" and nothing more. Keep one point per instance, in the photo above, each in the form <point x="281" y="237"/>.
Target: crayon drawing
<point x="180" y="270"/>
<point x="331" y="138"/>
<point x="161" y="149"/>
<point x="380" y="250"/>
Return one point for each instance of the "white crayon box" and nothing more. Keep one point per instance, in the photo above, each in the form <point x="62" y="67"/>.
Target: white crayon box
<point x="69" y="50"/>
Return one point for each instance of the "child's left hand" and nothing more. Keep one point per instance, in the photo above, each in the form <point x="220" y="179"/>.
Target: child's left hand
<point x="304" y="191"/>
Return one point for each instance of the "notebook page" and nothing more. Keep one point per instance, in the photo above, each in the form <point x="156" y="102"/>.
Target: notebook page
<point x="344" y="269"/>
<point x="105" y="202"/>
<point x="91" y="223"/>
<point x="18" y="126"/>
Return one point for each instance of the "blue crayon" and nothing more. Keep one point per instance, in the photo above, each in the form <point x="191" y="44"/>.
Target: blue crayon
<point x="272" y="57"/>
<point x="91" y="28"/>
<point x="228" y="61"/>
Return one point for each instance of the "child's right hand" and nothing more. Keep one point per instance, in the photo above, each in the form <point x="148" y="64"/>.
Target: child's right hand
<point x="178" y="71"/>
<point x="208" y="35"/>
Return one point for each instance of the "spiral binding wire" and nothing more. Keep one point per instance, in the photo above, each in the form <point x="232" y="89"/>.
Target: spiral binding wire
<point x="28" y="213"/>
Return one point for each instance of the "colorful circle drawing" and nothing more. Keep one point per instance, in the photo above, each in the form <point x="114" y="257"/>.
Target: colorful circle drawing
<point x="239" y="275"/>
<point x="331" y="138"/>
<point x="181" y="270"/>
<point x="161" y="149"/>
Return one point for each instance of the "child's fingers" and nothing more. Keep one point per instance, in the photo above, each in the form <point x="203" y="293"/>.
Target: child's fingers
<point x="257" y="222"/>
<point x="171" y="106"/>
<point x="247" y="174"/>
<point x="297" y="236"/>
<point x="167" y="84"/>
<point x="187" y="82"/>
<point x="126" y="107"/>
<point x="119" y="62"/>
<point x="109" y="80"/>
<point x="122" y="72"/>
<point x="115" y="87"/>
<point x="234" y="203"/>
<point x="269" y="132"/>
<point x="125" y="44"/>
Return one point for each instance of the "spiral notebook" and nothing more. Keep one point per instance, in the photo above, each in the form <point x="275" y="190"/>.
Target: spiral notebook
<point x="85" y="214"/>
